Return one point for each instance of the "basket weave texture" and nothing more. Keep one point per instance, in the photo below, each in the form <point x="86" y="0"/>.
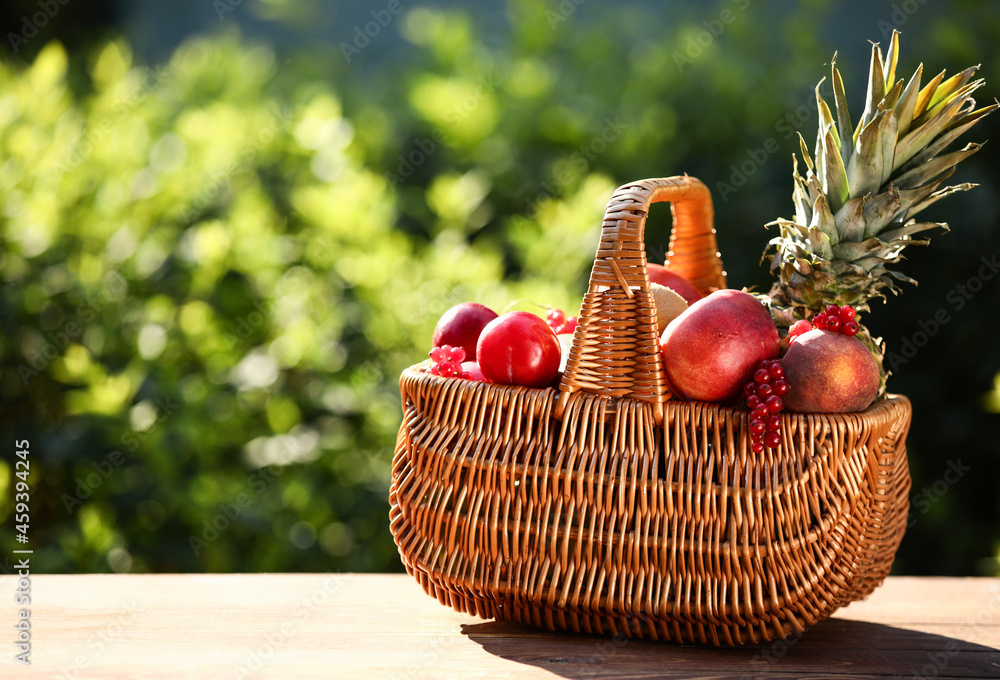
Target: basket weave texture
<point x="605" y="505"/>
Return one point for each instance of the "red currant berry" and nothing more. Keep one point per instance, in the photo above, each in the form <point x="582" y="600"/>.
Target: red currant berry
<point x="765" y="390"/>
<point x="455" y="354"/>
<point x="850" y="328"/>
<point x="436" y="355"/>
<point x="434" y="370"/>
<point x="847" y="313"/>
<point x="765" y="363"/>
<point x="772" y="439"/>
<point x="750" y="389"/>
<point x="780" y="387"/>
<point x="799" y="327"/>
<point x="465" y="375"/>
<point x="774" y="403"/>
<point x="777" y="371"/>
<point x="773" y="424"/>
<point x="757" y="447"/>
<point x="757" y="426"/>
<point x="761" y="411"/>
<point x="833" y="323"/>
<point x="761" y="376"/>
<point x="752" y="401"/>
<point x="447" y="369"/>
<point x="832" y="310"/>
<point x="819" y="321"/>
<point x="555" y="317"/>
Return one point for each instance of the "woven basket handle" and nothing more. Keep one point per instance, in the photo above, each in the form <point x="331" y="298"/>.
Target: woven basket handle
<point x="616" y="346"/>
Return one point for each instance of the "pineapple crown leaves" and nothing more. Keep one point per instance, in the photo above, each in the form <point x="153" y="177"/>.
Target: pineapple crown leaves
<point x="863" y="183"/>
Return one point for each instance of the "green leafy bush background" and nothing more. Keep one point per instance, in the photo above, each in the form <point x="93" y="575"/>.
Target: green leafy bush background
<point x="215" y="268"/>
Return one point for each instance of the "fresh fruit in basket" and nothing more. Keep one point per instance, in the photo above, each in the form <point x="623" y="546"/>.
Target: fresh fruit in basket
<point x="863" y="183"/>
<point x="474" y="373"/>
<point x="674" y="281"/>
<point x="714" y="346"/>
<point x="446" y="361"/>
<point x="518" y="348"/>
<point x="559" y="322"/>
<point x="829" y="372"/>
<point x="765" y="399"/>
<point x="669" y="305"/>
<point x="461" y="325"/>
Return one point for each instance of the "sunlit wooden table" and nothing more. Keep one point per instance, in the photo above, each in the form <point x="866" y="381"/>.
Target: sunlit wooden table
<point x="383" y="626"/>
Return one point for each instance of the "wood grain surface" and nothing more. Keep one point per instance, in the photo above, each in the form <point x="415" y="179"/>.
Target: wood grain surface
<point x="374" y="626"/>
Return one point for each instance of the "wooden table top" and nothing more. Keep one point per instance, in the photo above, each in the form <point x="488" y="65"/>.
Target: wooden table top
<point x="375" y="626"/>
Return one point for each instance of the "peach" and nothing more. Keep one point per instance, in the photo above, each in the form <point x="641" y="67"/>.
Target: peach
<point x="828" y="372"/>
<point x="712" y="349"/>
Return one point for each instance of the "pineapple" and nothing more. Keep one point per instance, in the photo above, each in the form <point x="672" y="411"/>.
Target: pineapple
<point x="863" y="184"/>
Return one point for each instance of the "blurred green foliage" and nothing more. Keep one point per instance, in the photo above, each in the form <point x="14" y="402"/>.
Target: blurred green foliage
<point x="215" y="269"/>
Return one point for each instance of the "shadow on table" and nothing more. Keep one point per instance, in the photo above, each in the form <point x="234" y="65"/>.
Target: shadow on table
<point x="832" y="647"/>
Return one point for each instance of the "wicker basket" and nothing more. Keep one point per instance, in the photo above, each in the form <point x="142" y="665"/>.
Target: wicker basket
<point x="605" y="506"/>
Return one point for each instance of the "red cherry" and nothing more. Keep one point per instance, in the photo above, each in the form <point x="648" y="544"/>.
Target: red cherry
<point x="774" y="403"/>
<point x="847" y="313"/>
<point x="780" y="387"/>
<point x="772" y="439"/>
<point x="850" y="328"/>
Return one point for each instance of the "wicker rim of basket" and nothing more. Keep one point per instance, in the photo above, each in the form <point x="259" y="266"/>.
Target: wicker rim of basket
<point x="616" y="345"/>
